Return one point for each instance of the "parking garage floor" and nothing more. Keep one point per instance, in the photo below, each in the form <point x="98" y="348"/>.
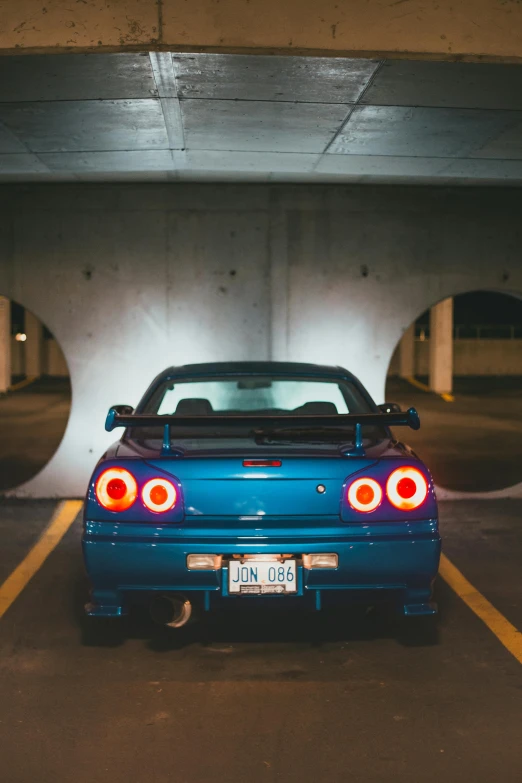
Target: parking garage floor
<point x="244" y="696"/>
<point x="32" y="423"/>
<point x="473" y="443"/>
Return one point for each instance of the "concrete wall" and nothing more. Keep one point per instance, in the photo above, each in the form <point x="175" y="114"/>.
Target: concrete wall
<point x="53" y="360"/>
<point x="470" y="357"/>
<point x="131" y="279"/>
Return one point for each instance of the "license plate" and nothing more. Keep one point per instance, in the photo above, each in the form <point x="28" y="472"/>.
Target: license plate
<point x="256" y="577"/>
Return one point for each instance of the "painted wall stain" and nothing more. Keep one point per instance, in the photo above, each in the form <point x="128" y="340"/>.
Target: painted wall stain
<point x="134" y="34"/>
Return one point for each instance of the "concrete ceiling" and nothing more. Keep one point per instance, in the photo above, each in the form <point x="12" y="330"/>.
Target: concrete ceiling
<point x="214" y="117"/>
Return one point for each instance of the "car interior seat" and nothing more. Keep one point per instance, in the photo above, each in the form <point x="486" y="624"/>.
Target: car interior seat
<point x="317" y="409"/>
<point x="194" y="406"/>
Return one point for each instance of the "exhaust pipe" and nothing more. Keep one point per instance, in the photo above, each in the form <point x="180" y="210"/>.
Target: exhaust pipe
<point x="172" y="610"/>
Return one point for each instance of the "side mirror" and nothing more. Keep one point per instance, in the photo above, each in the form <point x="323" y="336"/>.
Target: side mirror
<point x="390" y="407"/>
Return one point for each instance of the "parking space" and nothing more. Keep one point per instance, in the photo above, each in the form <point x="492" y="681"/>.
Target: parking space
<point x="485" y="539"/>
<point x="264" y="697"/>
<point x="21" y="523"/>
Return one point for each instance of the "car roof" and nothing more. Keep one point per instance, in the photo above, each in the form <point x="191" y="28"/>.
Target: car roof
<point x="255" y="368"/>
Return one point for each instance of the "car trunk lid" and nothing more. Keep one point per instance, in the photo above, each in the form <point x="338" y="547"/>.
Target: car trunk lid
<point x="299" y="486"/>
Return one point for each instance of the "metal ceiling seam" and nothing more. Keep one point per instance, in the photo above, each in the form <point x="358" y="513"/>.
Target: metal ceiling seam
<point x="363" y="92"/>
<point x="25" y="149"/>
<point x="165" y="81"/>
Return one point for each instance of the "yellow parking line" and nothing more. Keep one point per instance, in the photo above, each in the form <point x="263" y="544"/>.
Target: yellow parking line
<point x="510" y="637"/>
<point x="418" y="384"/>
<point x="61" y="521"/>
<point x="22" y="384"/>
<point x="423" y="387"/>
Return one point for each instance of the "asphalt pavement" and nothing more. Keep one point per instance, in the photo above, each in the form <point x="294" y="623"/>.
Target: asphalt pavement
<point x="244" y="696"/>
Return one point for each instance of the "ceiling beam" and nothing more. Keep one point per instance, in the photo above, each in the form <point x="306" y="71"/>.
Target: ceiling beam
<point x="474" y="30"/>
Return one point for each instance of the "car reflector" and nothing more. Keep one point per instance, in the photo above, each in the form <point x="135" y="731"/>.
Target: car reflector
<point x="364" y="494"/>
<point x="406" y="488"/>
<point x="159" y="495"/>
<point x="116" y="489"/>
<point x="204" y="562"/>
<point x="321" y="560"/>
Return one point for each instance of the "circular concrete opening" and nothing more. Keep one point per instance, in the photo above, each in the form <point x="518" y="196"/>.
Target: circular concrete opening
<point x="470" y="437"/>
<point x="35" y="395"/>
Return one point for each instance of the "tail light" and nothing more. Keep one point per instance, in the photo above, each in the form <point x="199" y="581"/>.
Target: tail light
<point x="406" y="488"/>
<point x="116" y="489"/>
<point x="159" y="495"/>
<point x="262" y="463"/>
<point x="364" y="494"/>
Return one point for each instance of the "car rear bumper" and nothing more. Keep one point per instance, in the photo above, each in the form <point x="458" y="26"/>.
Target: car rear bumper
<point x="122" y="568"/>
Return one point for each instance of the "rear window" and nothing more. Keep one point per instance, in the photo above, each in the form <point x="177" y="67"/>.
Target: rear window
<point x="255" y="394"/>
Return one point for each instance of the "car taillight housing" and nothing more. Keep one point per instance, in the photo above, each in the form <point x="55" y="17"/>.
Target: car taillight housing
<point x="406" y="488"/>
<point x="159" y="495"/>
<point x="365" y="494"/>
<point x="397" y="488"/>
<point x="116" y="489"/>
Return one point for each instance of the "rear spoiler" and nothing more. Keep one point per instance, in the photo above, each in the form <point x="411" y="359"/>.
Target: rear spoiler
<point x="123" y="416"/>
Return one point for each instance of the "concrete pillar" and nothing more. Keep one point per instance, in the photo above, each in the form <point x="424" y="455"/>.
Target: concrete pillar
<point x="441" y="347"/>
<point x="407" y="353"/>
<point x="5" y="344"/>
<point x="33" y="345"/>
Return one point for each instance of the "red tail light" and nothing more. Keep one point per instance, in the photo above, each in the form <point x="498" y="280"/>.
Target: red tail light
<point x="262" y="463"/>
<point x="116" y="489"/>
<point x="159" y="495"/>
<point x="364" y="494"/>
<point x="406" y="488"/>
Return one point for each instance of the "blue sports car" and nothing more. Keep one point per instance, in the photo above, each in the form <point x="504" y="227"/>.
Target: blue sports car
<point x="267" y="483"/>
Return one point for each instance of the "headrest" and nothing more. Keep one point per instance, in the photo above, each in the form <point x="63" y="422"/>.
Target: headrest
<point x="194" y="406"/>
<point x="317" y="409"/>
